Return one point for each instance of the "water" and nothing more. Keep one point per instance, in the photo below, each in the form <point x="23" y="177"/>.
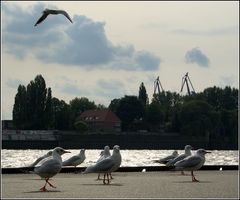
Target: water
<point x="23" y="158"/>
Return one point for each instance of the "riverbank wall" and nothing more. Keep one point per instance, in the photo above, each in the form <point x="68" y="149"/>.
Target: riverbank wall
<point x="97" y="140"/>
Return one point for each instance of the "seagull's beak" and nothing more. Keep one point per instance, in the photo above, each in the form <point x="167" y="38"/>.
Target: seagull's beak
<point x="208" y="152"/>
<point x="67" y="151"/>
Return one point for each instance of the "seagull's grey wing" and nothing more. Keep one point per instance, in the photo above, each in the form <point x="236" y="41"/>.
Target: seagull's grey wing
<point x="102" y="166"/>
<point x="48" y="168"/>
<point x="174" y="160"/>
<point x="71" y="160"/>
<point x="166" y="159"/>
<point x="101" y="158"/>
<point x="36" y="161"/>
<point x="44" y="16"/>
<point x="188" y="162"/>
<point x="65" y="14"/>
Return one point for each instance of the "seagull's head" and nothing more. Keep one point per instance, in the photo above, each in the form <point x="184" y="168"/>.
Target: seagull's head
<point x="188" y="147"/>
<point x="60" y="151"/>
<point x="106" y="148"/>
<point x="116" y="148"/>
<point x="82" y="151"/>
<point x="202" y="152"/>
<point x="175" y="153"/>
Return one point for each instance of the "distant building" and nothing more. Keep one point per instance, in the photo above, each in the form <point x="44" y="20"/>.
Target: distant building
<point x="7" y="125"/>
<point x="101" y="120"/>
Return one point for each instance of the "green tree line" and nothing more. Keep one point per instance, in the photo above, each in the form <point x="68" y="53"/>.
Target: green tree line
<point x="213" y="112"/>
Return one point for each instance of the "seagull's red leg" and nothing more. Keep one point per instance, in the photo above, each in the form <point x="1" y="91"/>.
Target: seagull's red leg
<point x="193" y="177"/>
<point x="111" y="176"/>
<point x="108" y="178"/>
<point x="75" y="169"/>
<point x="50" y="183"/>
<point x="43" y="189"/>
<point x="98" y="178"/>
<point x="104" y="178"/>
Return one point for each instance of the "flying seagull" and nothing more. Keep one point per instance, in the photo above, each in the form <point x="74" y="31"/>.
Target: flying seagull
<point x="46" y="12"/>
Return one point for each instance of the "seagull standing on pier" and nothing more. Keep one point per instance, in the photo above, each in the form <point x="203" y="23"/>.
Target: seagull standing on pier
<point x="75" y="160"/>
<point x="107" y="165"/>
<point x="166" y="159"/>
<point x="181" y="156"/>
<point x="46" y="12"/>
<point x="192" y="163"/>
<point x="104" y="154"/>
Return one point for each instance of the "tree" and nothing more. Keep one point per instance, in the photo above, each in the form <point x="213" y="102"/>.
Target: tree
<point x="154" y="116"/>
<point x="114" y="105"/>
<point x="129" y="110"/>
<point x="196" y="118"/>
<point x="19" y="108"/>
<point x="81" y="126"/>
<point x="229" y="120"/>
<point x="34" y="105"/>
<point x="78" y="106"/>
<point x="61" y="114"/>
<point x="142" y="95"/>
<point x="48" y="114"/>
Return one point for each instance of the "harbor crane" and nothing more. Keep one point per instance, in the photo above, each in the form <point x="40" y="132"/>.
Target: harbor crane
<point x="186" y="80"/>
<point x="157" y="86"/>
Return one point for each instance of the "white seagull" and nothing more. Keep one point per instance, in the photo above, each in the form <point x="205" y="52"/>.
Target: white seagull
<point x="46" y="12"/>
<point x="192" y="163"/>
<point x="50" y="166"/>
<point x="75" y="160"/>
<point x="180" y="157"/>
<point x="104" y="154"/>
<point x="166" y="159"/>
<point x="107" y="165"/>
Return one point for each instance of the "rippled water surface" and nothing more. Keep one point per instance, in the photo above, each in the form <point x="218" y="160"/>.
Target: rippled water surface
<point x="23" y="158"/>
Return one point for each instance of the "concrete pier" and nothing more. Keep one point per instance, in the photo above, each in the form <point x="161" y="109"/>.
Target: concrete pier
<point x="154" y="184"/>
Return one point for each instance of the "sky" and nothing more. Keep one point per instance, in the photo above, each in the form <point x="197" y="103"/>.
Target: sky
<point x="113" y="46"/>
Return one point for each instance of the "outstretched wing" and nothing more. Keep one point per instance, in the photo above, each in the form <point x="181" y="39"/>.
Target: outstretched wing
<point x="65" y="14"/>
<point x="44" y="16"/>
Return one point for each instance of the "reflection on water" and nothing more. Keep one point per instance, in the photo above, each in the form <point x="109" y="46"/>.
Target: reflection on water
<point x="23" y="158"/>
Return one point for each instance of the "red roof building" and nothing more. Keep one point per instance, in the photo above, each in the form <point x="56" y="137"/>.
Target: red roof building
<point x="101" y="120"/>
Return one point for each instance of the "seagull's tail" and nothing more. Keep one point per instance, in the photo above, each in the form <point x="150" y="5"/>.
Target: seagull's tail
<point x="27" y="170"/>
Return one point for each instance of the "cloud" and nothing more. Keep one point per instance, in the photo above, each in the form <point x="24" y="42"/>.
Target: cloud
<point x="82" y="44"/>
<point x="231" y="30"/>
<point x="109" y="88"/>
<point x="14" y="83"/>
<point x="73" y="90"/>
<point x="196" y="56"/>
<point x="230" y="80"/>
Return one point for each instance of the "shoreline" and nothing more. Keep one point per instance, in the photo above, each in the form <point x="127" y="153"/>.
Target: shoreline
<point x="20" y="170"/>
